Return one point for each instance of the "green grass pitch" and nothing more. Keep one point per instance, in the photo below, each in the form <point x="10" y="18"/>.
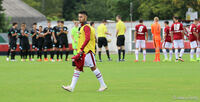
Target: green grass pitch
<point x="127" y="81"/>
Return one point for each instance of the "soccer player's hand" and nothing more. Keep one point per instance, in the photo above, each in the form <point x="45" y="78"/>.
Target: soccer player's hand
<point x="55" y="41"/>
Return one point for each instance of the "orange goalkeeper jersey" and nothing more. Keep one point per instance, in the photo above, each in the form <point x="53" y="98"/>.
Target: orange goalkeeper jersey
<point x="156" y="29"/>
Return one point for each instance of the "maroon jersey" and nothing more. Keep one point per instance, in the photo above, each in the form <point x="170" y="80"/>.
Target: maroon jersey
<point x="140" y="31"/>
<point x="193" y="28"/>
<point x="198" y="31"/>
<point x="167" y="32"/>
<point x="177" y="29"/>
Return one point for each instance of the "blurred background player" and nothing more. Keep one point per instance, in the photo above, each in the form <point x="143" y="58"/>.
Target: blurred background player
<point x="156" y="31"/>
<point x="86" y="45"/>
<point x="24" y="42"/>
<point x="93" y="27"/>
<point x="198" y="48"/>
<point x="75" y="35"/>
<point x="12" y="34"/>
<point x="102" y="40"/>
<point x="48" y="43"/>
<point x="33" y="34"/>
<point x="192" y="33"/>
<point x="63" y="40"/>
<point x="121" y="29"/>
<point x="140" y="38"/>
<point x="40" y="41"/>
<point x="167" y="42"/>
<point x="177" y="36"/>
<point x="56" y="39"/>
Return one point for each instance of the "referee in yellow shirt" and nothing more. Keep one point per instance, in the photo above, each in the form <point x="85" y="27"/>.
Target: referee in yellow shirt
<point x="102" y="41"/>
<point x="121" y="29"/>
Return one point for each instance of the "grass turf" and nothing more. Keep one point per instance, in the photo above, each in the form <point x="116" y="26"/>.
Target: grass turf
<point x="127" y="81"/>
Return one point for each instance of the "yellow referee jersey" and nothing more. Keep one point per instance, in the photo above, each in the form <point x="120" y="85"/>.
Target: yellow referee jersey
<point x="121" y="28"/>
<point x="101" y="30"/>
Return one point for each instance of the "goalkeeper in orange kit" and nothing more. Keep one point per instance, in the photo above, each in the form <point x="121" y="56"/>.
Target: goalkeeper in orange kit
<point x="156" y="29"/>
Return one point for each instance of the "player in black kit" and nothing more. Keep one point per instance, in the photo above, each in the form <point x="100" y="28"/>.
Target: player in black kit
<point x="33" y="34"/>
<point x="56" y="39"/>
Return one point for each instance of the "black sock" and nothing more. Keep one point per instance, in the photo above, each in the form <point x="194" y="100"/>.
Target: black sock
<point x="108" y="55"/>
<point x="38" y="54"/>
<point x="33" y="53"/>
<point x="61" y="54"/>
<point x="30" y="53"/>
<point x="26" y="54"/>
<point x="57" y="52"/>
<point x="119" y="54"/>
<point x="45" y="54"/>
<point x="21" y="54"/>
<point x="99" y="55"/>
<point x="8" y="54"/>
<point x="51" y="53"/>
<point x="123" y="54"/>
<point x="13" y="55"/>
<point x="67" y="53"/>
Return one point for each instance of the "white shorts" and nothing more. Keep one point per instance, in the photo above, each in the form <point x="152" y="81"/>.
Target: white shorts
<point x="193" y="44"/>
<point x="178" y="44"/>
<point x="198" y="44"/>
<point x="167" y="45"/>
<point x="140" y="44"/>
<point x="90" y="60"/>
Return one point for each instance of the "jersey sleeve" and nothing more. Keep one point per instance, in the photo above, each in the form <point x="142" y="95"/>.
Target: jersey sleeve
<point x="145" y="29"/>
<point x="181" y="26"/>
<point x="87" y="31"/>
<point x="172" y="27"/>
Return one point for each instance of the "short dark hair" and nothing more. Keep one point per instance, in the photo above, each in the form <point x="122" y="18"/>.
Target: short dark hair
<point x="15" y="23"/>
<point x="91" y="23"/>
<point x="48" y="21"/>
<point x="62" y="22"/>
<point x="196" y="19"/>
<point x="83" y="12"/>
<point x="104" y="20"/>
<point x="166" y="22"/>
<point x="119" y="16"/>
<point x="58" y="21"/>
<point x="40" y="26"/>
<point x="141" y="21"/>
<point x="175" y="17"/>
<point x="34" y="23"/>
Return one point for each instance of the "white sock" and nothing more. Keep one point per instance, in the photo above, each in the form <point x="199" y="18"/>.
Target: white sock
<point x="176" y="53"/>
<point x="182" y="52"/>
<point x="144" y="54"/>
<point x="165" y="53"/>
<point x="191" y="53"/>
<point x="136" y="54"/>
<point x="99" y="77"/>
<point x="170" y="54"/>
<point x="198" y="52"/>
<point x="75" y="78"/>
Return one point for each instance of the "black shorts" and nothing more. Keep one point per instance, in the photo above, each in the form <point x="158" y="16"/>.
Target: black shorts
<point x="13" y="45"/>
<point x="63" y="43"/>
<point x="34" y="45"/>
<point x="48" y="44"/>
<point x="56" y="44"/>
<point x="102" y="41"/>
<point x="40" y="46"/>
<point x="120" y="40"/>
<point x="24" y="46"/>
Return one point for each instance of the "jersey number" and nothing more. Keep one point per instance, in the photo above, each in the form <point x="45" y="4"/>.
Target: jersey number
<point x="176" y="26"/>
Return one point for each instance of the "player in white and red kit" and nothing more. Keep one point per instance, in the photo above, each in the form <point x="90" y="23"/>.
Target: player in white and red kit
<point x="140" y="38"/>
<point x="177" y="36"/>
<point x="167" y="43"/>
<point x="198" y="48"/>
<point x="192" y="34"/>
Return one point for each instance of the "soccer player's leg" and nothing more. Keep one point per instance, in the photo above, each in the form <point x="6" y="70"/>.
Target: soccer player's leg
<point x="67" y="50"/>
<point x="181" y="45"/>
<point x="100" y="44"/>
<point x="8" y="52"/>
<point x="143" y="46"/>
<point x="157" y="49"/>
<point x="105" y="44"/>
<point x="74" y="46"/>
<point x="45" y="51"/>
<point x="119" y="48"/>
<point x="164" y="45"/>
<point x="137" y="45"/>
<point x="198" y="51"/>
<point x="193" y="46"/>
<point x="175" y="42"/>
<point x="51" y="47"/>
<point x="123" y="47"/>
<point x="61" y="51"/>
<point x="13" y="49"/>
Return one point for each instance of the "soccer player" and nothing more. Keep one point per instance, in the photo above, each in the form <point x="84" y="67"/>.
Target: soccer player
<point x="33" y="34"/>
<point x="156" y="29"/>
<point x="86" y="46"/>
<point x="56" y="39"/>
<point x="40" y="41"/>
<point x="11" y="31"/>
<point x="177" y="36"/>
<point x="13" y="40"/>
<point x="140" y="38"/>
<point x="102" y="40"/>
<point x="121" y="29"/>
<point x="63" y="40"/>
<point x="48" y="43"/>
<point x="167" y="42"/>
<point x="198" y="48"/>
<point x="75" y="35"/>
<point x="24" y="42"/>
<point x="192" y="33"/>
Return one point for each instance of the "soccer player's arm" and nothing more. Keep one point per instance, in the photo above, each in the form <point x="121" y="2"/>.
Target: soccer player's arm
<point x="26" y="33"/>
<point x="165" y="34"/>
<point x="117" y="29"/>
<point x="54" y="37"/>
<point x="45" y="32"/>
<point x="106" y="31"/>
<point x="194" y="30"/>
<point x="146" y="33"/>
<point x="13" y="33"/>
<point x="124" y="29"/>
<point x="66" y="31"/>
<point x="152" y="31"/>
<point x="87" y="31"/>
<point x="172" y="32"/>
<point x="73" y="33"/>
<point x="135" y="33"/>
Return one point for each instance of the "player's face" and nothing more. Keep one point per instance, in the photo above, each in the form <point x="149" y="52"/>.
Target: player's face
<point x="82" y="18"/>
<point x="76" y="24"/>
<point x="15" y="25"/>
<point x="40" y="28"/>
<point x="117" y="18"/>
<point x="195" y="22"/>
<point x="49" y="24"/>
<point x="34" y="26"/>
